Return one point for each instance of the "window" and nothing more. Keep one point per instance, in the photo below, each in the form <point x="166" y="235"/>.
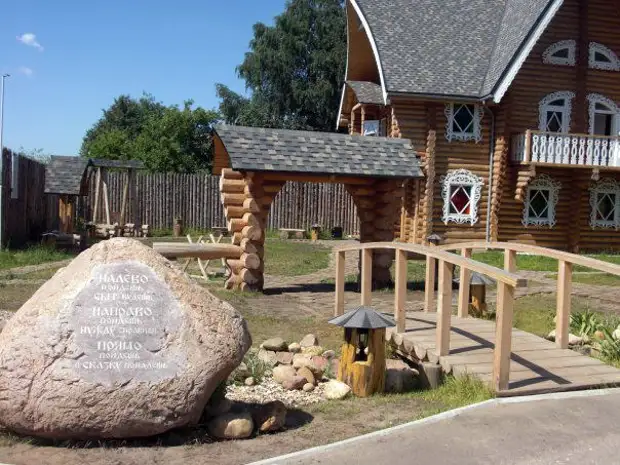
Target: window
<point x="603" y="58"/>
<point x="375" y="127"/>
<point x="561" y="53"/>
<point x="541" y="200"/>
<point x="603" y="115"/>
<point x="461" y="191"/>
<point x="605" y="204"/>
<point x="463" y="122"/>
<point x="555" y="112"/>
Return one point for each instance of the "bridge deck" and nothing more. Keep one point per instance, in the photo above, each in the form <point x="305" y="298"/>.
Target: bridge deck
<point x="536" y="365"/>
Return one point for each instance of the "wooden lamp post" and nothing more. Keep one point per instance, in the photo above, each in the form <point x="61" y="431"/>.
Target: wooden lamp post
<point x="362" y="363"/>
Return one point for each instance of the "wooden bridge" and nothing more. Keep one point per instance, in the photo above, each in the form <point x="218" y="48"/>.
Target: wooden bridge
<point x="512" y="361"/>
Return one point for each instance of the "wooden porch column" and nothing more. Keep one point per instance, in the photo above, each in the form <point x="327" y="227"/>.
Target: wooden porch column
<point x="378" y="205"/>
<point x="247" y="198"/>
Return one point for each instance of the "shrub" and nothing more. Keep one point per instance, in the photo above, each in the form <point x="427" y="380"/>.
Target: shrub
<point x="584" y="323"/>
<point x="608" y="346"/>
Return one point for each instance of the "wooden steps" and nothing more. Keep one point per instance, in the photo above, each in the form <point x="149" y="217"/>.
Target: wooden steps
<point x="536" y="365"/>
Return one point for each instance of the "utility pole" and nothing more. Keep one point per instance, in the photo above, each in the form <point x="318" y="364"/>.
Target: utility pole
<point x="4" y="76"/>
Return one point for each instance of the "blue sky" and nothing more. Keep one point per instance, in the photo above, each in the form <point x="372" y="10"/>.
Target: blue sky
<point x="84" y="53"/>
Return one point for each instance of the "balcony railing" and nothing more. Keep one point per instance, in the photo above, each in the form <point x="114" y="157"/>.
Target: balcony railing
<point x="566" y="149"/>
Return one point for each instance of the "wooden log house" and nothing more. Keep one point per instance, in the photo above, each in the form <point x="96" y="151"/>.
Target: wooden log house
<point x="513" y="108"/>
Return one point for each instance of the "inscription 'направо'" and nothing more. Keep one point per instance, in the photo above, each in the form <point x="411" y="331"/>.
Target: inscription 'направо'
<point x="121" y="321"/>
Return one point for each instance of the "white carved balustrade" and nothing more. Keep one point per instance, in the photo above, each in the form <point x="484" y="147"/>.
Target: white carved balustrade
<point x="566" y="149"/>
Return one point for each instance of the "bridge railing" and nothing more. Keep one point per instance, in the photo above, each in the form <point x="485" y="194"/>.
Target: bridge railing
<point x="444" y="261"/>
<point x="566" y="261"/>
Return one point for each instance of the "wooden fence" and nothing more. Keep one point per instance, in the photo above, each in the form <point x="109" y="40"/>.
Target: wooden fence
<point x="27" y="211"/>
<point x="196" y="200"/>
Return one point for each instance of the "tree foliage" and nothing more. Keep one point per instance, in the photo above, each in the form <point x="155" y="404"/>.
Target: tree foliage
<point x="165" y="138"/>
<point x="294" y="69"/>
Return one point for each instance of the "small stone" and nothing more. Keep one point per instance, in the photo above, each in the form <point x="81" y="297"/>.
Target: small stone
<point x="250" y="381"/>
<point x="270" y="417"/>
<point x="329" y="354"/>
<point x="294" y="383"/>
<point x="276" y="344"/>
<point x="572" y="339"/>
<point x="307" y="374"/>
<point x="312" y="350"/>
<point x="600" y="335"/>
<point x="240" y="373"/>
<point x="283" y="373"/>
<point x="308" y="387"/>
<point x="294" y="348"/>
<point x="616" y="334"/>
<point x="335" y="390"/>
<point x="284" y="358"/>
<point x="309" y="340"/>
<point x="317" y="365"/>
<point x="231" y="426"/>
<point x="267" y="357"/>
<point x="399" y="377"/>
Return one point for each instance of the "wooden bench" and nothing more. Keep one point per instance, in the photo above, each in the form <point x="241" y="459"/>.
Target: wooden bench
<point x="292" y="233"/>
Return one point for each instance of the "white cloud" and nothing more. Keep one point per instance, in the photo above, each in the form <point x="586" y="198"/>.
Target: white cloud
<point x="31" y="40"/>
<point x="25" y="71"/>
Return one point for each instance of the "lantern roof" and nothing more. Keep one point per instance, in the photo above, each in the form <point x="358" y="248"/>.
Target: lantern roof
<point x="363" y="318"/>
<point x="478" y="279"/>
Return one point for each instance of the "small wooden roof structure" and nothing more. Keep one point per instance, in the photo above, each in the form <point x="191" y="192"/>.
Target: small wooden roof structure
<point x="363" y="318"/>
<point x="308" y="153"/>
<point x="66" y="175"/>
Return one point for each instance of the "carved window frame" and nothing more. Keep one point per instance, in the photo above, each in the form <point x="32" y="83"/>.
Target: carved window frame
<point x="545" y="105"/>
<point x="570" y="60"/>
<point x="475" y="132"/>
<point x="593" y="99"/>
<point x="612" y="65"/>
<point x="451" y="182"/>
<point x="607" y="187"/>
<point x="542" y="183"/>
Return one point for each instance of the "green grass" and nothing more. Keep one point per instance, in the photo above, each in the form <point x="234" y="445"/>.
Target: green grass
<point x="537" y="263"/>
<point x="597" y="279"/>
<point x="289" y="258"/>
<point x="31" y="256"/>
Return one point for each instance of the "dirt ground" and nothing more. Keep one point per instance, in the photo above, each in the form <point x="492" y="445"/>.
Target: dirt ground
<point x="315" y="425"/>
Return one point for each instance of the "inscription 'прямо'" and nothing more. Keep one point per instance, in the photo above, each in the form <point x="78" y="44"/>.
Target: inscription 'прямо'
<point x="121" y="321"/>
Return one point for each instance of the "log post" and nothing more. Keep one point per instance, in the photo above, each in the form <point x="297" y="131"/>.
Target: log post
<point x="565" y="282"/>
<point x="503" y="336"/>
<point x="429" y="285"/>
<point x="246" y="198"/>
<point x="444" y="308"/>
<point x="340" y="283"/>
<point x="400" y="297"/>
<point x="464" y="279"/>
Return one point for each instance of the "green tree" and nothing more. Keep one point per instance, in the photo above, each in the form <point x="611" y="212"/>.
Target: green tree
<point x="294" y="69"/>
<point x="165" y="138"/>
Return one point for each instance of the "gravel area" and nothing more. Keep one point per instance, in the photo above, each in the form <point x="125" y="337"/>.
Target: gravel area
<point x="269" y="391"/>
<point x="5" y="316"/>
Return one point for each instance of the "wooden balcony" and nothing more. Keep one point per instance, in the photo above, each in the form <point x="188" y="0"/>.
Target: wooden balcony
<point x="566" y="150"/>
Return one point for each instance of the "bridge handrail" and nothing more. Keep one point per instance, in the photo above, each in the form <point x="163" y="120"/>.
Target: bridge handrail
<point x="437" y="258"/>
<point x="559" y="255"/>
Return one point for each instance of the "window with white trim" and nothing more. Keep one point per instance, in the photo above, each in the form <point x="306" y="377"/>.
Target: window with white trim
<point x="602" y="57"/>
<point x="555" y="112"/>
<point x="603" y="115"/>
<point x="461" y="191"/>
<point x="540" y="202"/>
<point x="464" y="122"/>
<point x="561" y="53"/>
<point x="605" y="204"/>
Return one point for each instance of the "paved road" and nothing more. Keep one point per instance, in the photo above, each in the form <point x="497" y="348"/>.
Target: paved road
<point x="551" y="430"/>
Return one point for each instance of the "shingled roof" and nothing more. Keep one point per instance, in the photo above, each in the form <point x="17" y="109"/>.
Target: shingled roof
<point x="259" y="149"/>
<point x="452" y="47"/>
<point x="367" y="92"/>
<point x="64" y="175"/>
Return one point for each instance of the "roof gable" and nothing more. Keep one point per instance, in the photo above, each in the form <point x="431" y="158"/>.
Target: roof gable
<point x="444" y="48"/>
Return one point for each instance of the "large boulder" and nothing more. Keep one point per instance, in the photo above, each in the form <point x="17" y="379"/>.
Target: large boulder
<point x="118" y="344"/>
